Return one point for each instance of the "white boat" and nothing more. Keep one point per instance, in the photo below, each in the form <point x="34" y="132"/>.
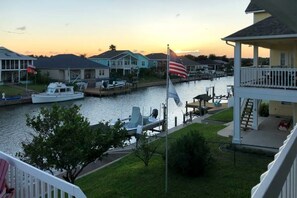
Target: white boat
<point x="57" y="92"/>
<point x="105" y="84"/>
<point x="138" y="123"/>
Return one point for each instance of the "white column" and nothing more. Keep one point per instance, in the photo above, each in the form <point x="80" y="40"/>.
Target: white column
<point x="237" y="100"/>
<point x="256" y="56"/>
<point x="97" y="73"/>
<point x="0" y="70"/>
<point x="19" y="71"/>
<point x="255" y="114"/>
<point x="294" y="107"/>
<point x="66" y="75"/>
<point x="82" y="74"/>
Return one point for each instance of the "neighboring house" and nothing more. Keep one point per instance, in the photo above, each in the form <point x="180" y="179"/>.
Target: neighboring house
<point x="119" y="60"/>
<point x="212" y="66"/>
<point x="158" y="61"/>
<point x="142" y="61"/>
<point x="276" y="83"/>
<point x="69" y="67"/>
<point x="13" y="66"/>
<point x="193" y="67"/>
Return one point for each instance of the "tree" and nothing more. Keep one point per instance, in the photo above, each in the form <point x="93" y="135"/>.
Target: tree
<point x="64" y="141"/>
<point x="212" y="57"/>
<point x="112" y="47"/>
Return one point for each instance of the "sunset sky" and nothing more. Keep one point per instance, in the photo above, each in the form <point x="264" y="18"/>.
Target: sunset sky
<point x="50" y="27"/>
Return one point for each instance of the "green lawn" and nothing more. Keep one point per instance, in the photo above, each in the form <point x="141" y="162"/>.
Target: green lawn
<point x="223" y="116"/>
<point x="21" y="89"/>
<point x="129" y="177"/>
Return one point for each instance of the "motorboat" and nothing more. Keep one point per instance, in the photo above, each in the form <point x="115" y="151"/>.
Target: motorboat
<point x="57" y="92"/>
<point x="106" y="84"/>
<point x="137" y="123"/>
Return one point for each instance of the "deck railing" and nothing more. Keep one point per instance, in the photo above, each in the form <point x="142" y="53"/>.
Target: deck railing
<point x="282" y="78"/>
<point x="30" y="182"/>
<point x="280" y="179"/>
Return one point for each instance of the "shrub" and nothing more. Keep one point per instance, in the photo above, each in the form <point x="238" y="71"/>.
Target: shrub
<point x="190" y="155"/>
<point x="264" y="110"/>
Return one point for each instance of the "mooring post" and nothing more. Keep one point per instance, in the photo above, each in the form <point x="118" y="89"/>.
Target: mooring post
<point x="186" y="107"/>
<point x="191" y="114"/>
<point x="184" y="118"/>
<point x="175" y="121"/>
<point x="164" y="118"/>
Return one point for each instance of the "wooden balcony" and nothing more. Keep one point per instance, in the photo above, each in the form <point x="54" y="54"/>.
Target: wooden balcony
<point x="275" y="78"/>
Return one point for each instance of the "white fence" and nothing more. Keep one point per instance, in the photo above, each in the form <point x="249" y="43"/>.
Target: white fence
<point x="30" y="182"/>
<point x="268" y="77"/>
<point x="280" y="180"/>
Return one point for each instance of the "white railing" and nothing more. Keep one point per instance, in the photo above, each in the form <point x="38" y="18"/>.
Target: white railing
<point x="30" y="182"/>
<point x="283" y="78"/>
<point x="280" y="179"/>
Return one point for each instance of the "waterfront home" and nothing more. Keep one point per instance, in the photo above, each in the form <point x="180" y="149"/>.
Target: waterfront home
<point x="194" y="68"/>
<point x="122" y="61"/>
<point x="275" y="30"/>
<point x="13" y="65"/>
<point x="69" y="67"/>
<point x="158" y="61"/>
<point x="142" y="61"/>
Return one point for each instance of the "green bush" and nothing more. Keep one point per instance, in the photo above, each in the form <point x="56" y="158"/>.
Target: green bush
<point x="264" y="110"/>
<point x="190" y="155"/>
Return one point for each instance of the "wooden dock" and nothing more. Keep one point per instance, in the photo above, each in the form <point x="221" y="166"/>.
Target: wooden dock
<point x="211" y="108"/>
<point x="107" y="92"/>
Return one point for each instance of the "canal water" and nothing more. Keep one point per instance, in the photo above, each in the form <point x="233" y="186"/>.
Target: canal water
<point x="13" y="129"/>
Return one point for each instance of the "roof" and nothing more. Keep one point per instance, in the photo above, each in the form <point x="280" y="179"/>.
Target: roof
<point x="65" y="61"/>
<point x="188" y="62"/>
<point x="109" y="54"/>
<point x="252" y="7"/>
<point x="203" y="97"/>
<point x="267" y="28"/>
<point x="207" y="62"/>
<point x="157" y="56"/>
<point x="6" y="54"/>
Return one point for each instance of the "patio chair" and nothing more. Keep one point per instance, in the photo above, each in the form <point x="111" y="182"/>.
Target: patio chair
<point x="136" y="118"/>
<point x="5" y="191"/>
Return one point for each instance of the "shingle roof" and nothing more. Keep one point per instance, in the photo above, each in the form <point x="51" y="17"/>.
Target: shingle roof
<point x="207" y="62"/>
<point x="109" y="54"/>
<point x="64" y="61"/>
<point x="253" y="8"/>
<point x="266" y="28"/>
<point x="188" y="62"/>
<point x="6" y="54"/>
<point x="157" y="56"/>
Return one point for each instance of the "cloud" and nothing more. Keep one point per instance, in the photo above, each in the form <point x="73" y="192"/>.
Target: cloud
<point x="23" y="28"/>
<point x="12" y="32"/>
<point x="177" y="15"/>
<point x="184" y="52"/>
<point x="142" y="51"/>
<point x="99" y="49"/>
<point x="135" y="51"/>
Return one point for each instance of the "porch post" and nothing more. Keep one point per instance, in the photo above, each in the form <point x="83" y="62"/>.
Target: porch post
<point x="0" y="70"/>
<point x="256" y="56"/>
<point x="294" y="107"/>
<point x="82" y="74"/>
<point x="237" y="100"/>
<point x="255" y="114"/>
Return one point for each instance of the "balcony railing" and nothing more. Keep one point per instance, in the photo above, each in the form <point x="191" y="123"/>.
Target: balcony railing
<point x="30" y="182"/>
<point x="281" y="78"/>
<point x="280" y="179"/>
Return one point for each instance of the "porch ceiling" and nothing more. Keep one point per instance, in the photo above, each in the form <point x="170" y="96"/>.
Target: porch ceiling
<point x="273" y="44"/>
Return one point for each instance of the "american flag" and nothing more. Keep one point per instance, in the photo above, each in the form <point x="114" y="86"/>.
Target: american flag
<point x="176" y="66"/>
<point x="31" y="69"/>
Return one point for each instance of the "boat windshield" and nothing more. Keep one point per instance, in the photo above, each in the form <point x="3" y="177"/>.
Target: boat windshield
<point x="51" y="90"/>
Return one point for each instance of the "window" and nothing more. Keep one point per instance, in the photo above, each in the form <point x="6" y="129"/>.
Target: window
<point x="143" y="63"/>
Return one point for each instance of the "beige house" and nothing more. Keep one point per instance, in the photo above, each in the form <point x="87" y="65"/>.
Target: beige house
<point x="276" y="83"/>
<point x="69" y="67"/>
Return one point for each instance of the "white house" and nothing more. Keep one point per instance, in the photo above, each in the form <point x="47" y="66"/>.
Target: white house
<point x="13" y="65"/>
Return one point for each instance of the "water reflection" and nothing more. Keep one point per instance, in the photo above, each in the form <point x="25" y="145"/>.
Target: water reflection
<point x="13" y="129"/>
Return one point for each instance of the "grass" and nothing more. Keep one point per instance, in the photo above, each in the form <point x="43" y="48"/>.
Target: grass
<point x="129" y="178"/>
<point x="223" y="116"/>
<point x="21" y="89"/>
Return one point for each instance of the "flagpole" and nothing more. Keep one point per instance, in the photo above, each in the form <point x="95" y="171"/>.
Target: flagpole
<point x="166" y="120"/>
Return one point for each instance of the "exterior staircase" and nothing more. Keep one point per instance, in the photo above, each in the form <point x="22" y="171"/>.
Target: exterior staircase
<point x="247" y="115"/>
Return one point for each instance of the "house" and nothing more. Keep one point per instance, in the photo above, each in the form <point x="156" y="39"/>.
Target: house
<point x="276" y="83"/>
<point x="123" y="61"/>
<point x="13" y="65"/>
<point x="193" y="67"/>
<point x="158" y="61"/>
<point x="142" y="61"/>
<point x="69" y="67"/>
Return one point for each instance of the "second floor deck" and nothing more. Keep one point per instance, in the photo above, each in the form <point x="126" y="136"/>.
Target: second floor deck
<point x="273" y="78"/>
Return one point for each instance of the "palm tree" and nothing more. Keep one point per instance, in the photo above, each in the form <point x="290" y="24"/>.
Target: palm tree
<point x="112" y="47"/>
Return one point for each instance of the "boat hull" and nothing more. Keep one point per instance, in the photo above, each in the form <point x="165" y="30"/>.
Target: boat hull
<point x="49" y="98"/>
